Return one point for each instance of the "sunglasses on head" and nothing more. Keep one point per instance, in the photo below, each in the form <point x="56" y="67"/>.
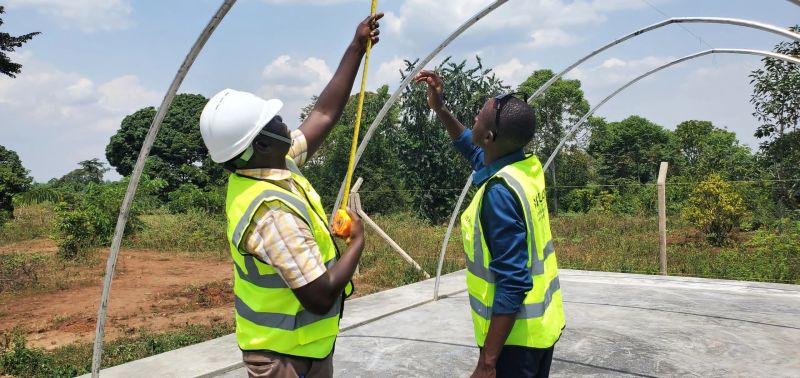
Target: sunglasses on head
<point x="500" y="101"/>
<point x="272" y="135"/>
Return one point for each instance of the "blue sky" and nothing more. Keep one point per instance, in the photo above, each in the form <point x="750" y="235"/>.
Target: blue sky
<point x="99" y="60"/>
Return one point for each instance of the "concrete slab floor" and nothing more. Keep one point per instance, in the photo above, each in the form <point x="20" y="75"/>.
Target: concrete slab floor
<point x="617" y="325"/>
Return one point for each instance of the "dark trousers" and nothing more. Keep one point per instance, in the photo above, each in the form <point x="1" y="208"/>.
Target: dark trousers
<point x="522" y="362"/>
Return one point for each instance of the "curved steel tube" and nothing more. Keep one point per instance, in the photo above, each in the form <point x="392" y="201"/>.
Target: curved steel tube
<point x="676" y="20"/>
<point x="137" y="174"/>
<point x="447" y="237"/>
<point x="586" y="116"/>
<point x="396" y="95"/>
<point x="711" y="20"/>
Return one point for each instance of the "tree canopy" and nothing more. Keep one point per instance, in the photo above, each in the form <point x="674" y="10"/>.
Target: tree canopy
<point x="178" y="155"/>
<point x="8" y="43"/>
<point x="775" y="95"/>
<point x="13" y="179"/>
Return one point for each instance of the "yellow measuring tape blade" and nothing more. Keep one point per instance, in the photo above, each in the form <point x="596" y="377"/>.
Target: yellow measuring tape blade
<point x="351" y="164"/>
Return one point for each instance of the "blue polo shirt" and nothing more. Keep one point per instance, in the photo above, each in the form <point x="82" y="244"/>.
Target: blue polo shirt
<point x="503" y="225"/>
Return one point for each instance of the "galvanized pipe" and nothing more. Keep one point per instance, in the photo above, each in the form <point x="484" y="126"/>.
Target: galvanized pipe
<point x="676" y="20"/>
<point x="453" y="218"/>
<point x="396" y="95"/>
<point x="711" y="20"/>
<point x="586" y="116"/>
<point x="125" y="208"/>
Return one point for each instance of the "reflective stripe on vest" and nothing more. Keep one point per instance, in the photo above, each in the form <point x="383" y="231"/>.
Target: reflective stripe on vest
<point x="476" y="266"/>
<point x="283" y="321"/>
<point x="245" y="220"/>
<point x="268" y="281"/>
<point x="526" y="311"/>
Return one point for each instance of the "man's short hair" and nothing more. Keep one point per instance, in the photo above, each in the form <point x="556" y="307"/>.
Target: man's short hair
<point x="517" y="122"/>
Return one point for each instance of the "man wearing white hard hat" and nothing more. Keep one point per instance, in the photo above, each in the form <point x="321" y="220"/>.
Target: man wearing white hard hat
<point x="290" y="281"/>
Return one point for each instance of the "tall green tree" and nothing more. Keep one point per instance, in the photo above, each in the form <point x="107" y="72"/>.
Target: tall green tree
<point x="632" y="149"/>
<point x="178" y="155"/>
<point x="8" y="43"/>
<point x="13" y="179"/>
<point x="781" y="158"/>
<point x="90" y="171"/>
<point x="558" y="108"/>
<point x="775" y="95"/>
<point x="707" y="149"/>
<point x="429" y="164"/>
<point x="384" y="187"/>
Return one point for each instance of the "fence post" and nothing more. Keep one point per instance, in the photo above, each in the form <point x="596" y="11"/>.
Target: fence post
<point x="662" y="216"/>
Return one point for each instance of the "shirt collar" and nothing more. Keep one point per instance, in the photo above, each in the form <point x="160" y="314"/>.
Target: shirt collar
<point x="271" y="174"/>
<point x="480" y="176"/>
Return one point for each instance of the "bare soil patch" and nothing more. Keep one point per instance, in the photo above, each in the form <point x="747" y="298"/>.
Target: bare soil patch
<point x="153" y="290"/>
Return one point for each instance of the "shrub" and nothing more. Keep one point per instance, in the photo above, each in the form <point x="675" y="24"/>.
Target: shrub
<point x="715" y="208"/>
<point x="189" y="196"/>
<point x="19" y="360"/>
<point x="19" y="270"/>
<point x="87" y="219"/>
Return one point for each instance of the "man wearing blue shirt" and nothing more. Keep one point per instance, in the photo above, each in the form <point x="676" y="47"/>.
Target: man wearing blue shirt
<point x="518" y="331"/>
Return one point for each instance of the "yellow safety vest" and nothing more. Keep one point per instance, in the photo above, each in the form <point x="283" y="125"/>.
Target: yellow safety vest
<point x="268" y="315"/>
<point x="541" y="317"/>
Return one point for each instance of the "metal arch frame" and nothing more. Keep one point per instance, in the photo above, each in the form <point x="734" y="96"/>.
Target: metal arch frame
<point x="571" y="130"/>
<point x="543" y="88"/>
<point x="136" y="175"/>
<point x="396" y="95"/>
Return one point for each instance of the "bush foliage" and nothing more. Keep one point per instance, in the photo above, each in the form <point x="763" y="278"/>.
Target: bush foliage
<point x="715" y="208"/>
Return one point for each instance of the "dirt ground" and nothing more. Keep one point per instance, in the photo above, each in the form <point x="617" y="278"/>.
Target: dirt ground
<point x="151" y="290"/>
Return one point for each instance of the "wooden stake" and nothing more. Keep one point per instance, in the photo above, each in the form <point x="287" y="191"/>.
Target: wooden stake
<point x="662" y="216"/>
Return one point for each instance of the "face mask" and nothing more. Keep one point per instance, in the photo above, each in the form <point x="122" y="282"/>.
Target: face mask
<point x="246" y="155"/>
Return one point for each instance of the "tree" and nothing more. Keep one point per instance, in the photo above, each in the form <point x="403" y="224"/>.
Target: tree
<point x="558" y="108"/>
<point x="707" y="149"/>
<point x="775" y="95"/>
<point x="7" y="44"/>
<point x="781" y="158"/>
<point x="715" y="208"/>
<point x="90" y="171"/>
<point x="429" y="164"/>
<point x="13" y="179"/>
<point x="383" y="189"/>
<point x="632" y="149"/>
<point x="178" y="155"/>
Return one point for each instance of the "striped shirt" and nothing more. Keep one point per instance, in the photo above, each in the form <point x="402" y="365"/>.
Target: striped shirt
<point x="279" y="237"/>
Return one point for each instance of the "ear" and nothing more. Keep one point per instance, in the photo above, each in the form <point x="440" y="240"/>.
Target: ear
<point x="488" y="138"/>
<point x="261" y="146"/>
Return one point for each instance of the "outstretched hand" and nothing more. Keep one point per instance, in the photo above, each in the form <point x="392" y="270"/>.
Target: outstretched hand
<point x="369" y="29"/>
<point x="435" y="88"/>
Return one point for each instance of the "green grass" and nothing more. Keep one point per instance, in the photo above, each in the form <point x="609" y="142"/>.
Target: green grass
<point x="382" y="268"/>
<point x="31" y="222"/>
<point x="615" y="243"/>
<point x="17" y="359"/>
<point x="195" y="232"/>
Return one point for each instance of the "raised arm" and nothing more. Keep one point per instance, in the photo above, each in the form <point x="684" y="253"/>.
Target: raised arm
<point x="453" y="126"/>
<point x="334" y="97"/>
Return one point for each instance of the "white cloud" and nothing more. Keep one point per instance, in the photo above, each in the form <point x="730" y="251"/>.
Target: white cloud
<point x="615" y="71"/>
<point x="294" y="82"/>
<point x="420" y="19"/>
<point x="387" y="73"/>
<point x="55" y="118"/>
<point x="84" y="15"/>
<point x="552" y="37"/>
<point x="514" y="72"/>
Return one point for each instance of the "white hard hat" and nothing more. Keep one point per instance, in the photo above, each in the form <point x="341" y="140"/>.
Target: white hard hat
<point x="232" y="119"/>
